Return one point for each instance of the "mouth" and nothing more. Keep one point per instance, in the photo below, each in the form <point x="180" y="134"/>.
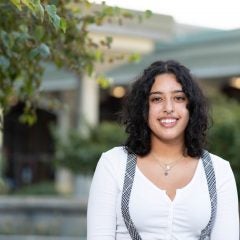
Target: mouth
<point x="168" y="122"/>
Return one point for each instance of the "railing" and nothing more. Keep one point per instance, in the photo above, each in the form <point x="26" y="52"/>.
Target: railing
<point x="42" y="218"/>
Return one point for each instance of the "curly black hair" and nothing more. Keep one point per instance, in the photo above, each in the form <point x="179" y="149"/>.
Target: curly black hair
<point x="134" y="114"/>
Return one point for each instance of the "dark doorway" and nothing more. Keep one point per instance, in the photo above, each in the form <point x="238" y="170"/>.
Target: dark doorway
<point x="111" y="105"/>
<point x="28" y="150"/>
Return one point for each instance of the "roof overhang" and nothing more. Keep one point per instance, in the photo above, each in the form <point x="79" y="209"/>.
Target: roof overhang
<point x="213" y="55"/>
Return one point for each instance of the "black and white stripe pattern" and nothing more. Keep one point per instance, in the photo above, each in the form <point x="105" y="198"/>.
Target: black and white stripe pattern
<point x="127" y="188"/>
<point x="211" y="180"/>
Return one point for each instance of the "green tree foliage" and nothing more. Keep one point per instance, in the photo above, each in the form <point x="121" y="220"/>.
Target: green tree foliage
<point x="22" y="47"/>
<point x="48" y="30"/>
<point x="224" y="135"/>
<point x="81" y="154"/>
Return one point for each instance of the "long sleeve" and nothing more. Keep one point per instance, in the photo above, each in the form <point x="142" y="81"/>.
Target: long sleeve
<point x="101" y="215"/>
<point x="227" y="219"/>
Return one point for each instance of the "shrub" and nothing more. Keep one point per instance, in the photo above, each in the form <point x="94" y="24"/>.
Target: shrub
<point x="224" y="135"/>
<point x="81" y="154"/>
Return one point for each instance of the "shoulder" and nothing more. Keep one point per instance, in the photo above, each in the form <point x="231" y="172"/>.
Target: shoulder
<point x="219" y="163"/>
<point x="116" y="151"/>
<point x="115" y="155"/>
<point x="222" y="169"/>
<point x="114" y="159"/>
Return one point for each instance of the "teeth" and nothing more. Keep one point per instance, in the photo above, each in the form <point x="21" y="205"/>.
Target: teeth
<point x="168" y="120"/>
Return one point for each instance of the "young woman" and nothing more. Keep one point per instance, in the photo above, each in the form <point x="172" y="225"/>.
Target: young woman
<point x="162" y="184"/>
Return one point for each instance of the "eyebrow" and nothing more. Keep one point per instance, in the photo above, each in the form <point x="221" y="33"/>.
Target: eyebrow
<point x="158" y="92"/>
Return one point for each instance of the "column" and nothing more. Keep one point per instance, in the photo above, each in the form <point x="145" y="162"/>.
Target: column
<point x="87" y="104"/>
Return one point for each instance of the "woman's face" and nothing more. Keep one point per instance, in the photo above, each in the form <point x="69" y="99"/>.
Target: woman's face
<point x="168" y="114"/>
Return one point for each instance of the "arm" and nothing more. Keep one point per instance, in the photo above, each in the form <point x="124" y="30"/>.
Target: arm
<point x="101" y="215"/>
<point x="226" y="225"/>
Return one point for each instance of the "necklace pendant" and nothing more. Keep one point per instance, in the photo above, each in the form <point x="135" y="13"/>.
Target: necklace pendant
<point x="166" y="173"/>
<point x="168" y="167"/>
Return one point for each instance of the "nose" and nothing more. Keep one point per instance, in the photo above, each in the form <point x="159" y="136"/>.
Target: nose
<point x="169" y="106"/>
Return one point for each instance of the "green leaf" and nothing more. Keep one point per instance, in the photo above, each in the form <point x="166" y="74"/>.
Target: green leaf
<point x="4" y="38"/>
<point x="4" y="63"/>
<point x="109" y="41"/>
<point x="39" y="10"/>
<point x="42" y="50"/>
<point x="39" y="32"/>
<point x="29" y="4"/>
<point x="135" y="57"/>
<point x="99" y="55"/>
<point x="27" y="118"/>
<point x="17" y="3"/>
<point x="103" y="81"/>
<point x="23" y="28"/>
<point x="63" y="25"/>
<point x="54" y="18"/>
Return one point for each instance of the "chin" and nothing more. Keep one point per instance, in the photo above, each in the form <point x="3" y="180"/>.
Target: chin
<point x="169" y="138"/>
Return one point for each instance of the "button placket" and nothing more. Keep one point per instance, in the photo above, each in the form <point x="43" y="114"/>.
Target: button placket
<point x="170" y="221"/>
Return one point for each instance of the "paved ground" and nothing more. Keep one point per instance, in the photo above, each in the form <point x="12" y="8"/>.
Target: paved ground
<point x="17" y="237"/>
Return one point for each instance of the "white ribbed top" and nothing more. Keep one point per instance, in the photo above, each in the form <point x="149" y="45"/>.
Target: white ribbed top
<point x="155" y="216"/>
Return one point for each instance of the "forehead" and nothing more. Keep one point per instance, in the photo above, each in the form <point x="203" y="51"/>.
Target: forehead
<point x="166" y="82"/>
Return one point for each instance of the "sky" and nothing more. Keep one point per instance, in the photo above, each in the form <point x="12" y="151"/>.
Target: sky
<point x="221" y="14"/>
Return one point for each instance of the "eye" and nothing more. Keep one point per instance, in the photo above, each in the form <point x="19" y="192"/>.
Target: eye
<point x="156" y="99"/>
<point x="180" y="98"/>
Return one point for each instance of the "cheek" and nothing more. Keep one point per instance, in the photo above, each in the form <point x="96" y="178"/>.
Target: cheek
<point x="151" y="114"/>
<point x="154" y="109"/>
<point x="185" y="114"/>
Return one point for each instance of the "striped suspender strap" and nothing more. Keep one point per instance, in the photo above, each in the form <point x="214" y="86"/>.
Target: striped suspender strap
<point x="127" y="187"/>
<point x="211" y="181"/>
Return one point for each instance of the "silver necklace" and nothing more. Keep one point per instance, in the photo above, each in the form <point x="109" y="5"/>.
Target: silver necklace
<point x="167" y="167"/>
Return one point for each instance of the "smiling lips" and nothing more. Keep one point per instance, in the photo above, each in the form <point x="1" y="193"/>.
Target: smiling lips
<point x="168" y="122"/>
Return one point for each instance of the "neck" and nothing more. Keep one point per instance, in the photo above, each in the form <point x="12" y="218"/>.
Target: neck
<point x="168" y="151"/>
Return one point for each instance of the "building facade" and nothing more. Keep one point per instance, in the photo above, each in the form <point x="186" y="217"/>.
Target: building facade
<point x="212" y="55"/>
